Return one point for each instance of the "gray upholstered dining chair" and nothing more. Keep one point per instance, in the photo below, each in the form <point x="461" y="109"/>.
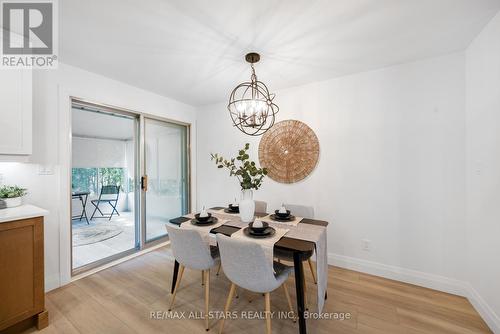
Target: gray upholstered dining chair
<point x="192" y="252"/>
<point x="305" y="212"/>
<point x="301" y="210"/>
<point x="246" y="266"/>
<point x="260" y="206"/>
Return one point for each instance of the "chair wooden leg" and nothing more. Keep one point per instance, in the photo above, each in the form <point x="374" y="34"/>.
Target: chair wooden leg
<point x="207" y="297"/>
<point x="305" y="288"/>
<point x="268" y="312"/>
<point x="250" y="296"/>
<point x="202" y="277"/>
<point x="218" y="269"/>
<point x="226" y="308"/>
<point x="294" y="319"/>
<point x="181" y="271"/>
<point x="312" y="270"/>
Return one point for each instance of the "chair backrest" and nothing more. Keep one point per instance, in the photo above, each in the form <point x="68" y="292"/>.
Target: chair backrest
<point x="301" y="210"/>
<point x="108" y="191"/>
<point x="245" y="264"/>
<point x="260" y="206"/>
<point x="189" y="249"/>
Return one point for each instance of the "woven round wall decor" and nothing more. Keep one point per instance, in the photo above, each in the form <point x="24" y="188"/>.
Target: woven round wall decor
<point x="289" y="151"/>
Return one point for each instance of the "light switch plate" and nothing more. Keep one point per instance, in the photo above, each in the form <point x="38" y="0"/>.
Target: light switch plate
<point x="45" y="170"/>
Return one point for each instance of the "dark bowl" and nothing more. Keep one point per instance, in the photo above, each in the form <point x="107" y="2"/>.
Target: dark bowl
<point x="259" y="229"/>
<point x="282" y="215"/>
<point x="202" y="219"/>
<point x="234" y="208"/>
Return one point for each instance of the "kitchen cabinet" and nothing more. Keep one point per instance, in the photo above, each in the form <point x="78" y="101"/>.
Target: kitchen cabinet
<point x="22" y="288"/>
<point x="15" y="111"/>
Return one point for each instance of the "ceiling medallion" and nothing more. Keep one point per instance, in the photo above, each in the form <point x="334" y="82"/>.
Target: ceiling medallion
<point x="251" y="105"/>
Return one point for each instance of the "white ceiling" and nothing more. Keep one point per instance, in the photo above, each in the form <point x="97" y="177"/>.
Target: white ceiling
<point x="99" y="125"/>
<point x="193" y="50"/>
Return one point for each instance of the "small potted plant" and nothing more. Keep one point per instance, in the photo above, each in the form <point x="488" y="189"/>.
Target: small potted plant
<point x="12" y="196"/>
<point x="249" y="176"/>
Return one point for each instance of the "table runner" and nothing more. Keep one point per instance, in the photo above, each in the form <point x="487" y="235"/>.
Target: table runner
<point x="267" y="244"/>
<point x="308" y="232"/>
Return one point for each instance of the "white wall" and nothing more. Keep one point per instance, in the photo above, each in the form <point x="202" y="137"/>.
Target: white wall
<point x="391" y="166"/>
<point x="51" y="132"/>
<point x="483" y="169"/>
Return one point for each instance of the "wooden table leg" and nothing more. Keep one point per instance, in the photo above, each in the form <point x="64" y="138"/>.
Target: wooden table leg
<point x="174" y="279"/>
<point x="299" y="287"/>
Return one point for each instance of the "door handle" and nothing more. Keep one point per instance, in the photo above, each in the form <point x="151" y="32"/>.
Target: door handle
<point x="144" y="183"/>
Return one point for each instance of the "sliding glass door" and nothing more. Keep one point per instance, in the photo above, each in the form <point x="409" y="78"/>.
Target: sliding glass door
<point x="166" y="169"/>
<point x="104" y="224"/>
<point x="129" y="176"/>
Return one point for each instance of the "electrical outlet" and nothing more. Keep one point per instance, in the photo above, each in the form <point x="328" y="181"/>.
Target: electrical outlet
<point x="367" y="245"/>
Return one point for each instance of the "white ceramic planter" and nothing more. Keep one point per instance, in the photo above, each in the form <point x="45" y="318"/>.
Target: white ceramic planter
<point x="247" y="206"/>
<point x="13" y="202"/>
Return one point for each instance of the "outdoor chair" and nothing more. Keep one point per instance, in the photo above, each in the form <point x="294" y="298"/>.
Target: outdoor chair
<point x="109" y="194"/>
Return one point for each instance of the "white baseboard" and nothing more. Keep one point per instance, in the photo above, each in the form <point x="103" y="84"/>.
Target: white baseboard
<point x="52" y="282"/>
<point x="423" y="279"/>
<point x="482" y="307"/>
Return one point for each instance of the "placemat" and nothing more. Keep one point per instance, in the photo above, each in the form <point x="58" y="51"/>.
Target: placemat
<point x="202" y="229"/>
<point x="294" y="222"/>
<point x="267" y="244"/>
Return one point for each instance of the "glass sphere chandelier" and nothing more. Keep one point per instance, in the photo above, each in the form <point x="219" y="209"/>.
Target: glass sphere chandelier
<point x="251" y="105"/>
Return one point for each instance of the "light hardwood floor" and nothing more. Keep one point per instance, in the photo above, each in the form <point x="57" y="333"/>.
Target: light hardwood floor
<point x="120" y="299"/>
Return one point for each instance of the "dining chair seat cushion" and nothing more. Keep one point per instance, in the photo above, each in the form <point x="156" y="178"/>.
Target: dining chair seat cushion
<point x="102" y="200"/>
<point x="281" y="270"/>
<point x="283" y="255"/>
<point x="214" y="252"/>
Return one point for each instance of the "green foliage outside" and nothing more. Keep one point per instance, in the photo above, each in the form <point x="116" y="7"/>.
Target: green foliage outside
<point x="92" y="179"/>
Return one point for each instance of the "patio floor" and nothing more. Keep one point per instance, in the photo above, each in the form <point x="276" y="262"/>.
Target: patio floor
<point x="125" y="240"/>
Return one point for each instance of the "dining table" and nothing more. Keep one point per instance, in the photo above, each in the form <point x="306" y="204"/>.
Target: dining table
<point x="301" y="250"/>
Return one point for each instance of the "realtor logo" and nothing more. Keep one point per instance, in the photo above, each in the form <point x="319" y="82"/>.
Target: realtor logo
<point x="29" y="34"/>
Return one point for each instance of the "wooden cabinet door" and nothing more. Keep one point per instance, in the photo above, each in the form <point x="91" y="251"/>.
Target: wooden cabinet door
<point x="21" y="270"/>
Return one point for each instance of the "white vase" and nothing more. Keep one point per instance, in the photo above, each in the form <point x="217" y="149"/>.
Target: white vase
<point x="247" y="206"/>
<point x="13" y="202"/>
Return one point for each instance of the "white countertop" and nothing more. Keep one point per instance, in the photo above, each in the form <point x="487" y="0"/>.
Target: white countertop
<point x="21" y="212"/>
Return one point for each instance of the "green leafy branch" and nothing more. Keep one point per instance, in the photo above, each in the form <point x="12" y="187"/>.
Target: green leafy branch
<point x="246" y="171"/>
